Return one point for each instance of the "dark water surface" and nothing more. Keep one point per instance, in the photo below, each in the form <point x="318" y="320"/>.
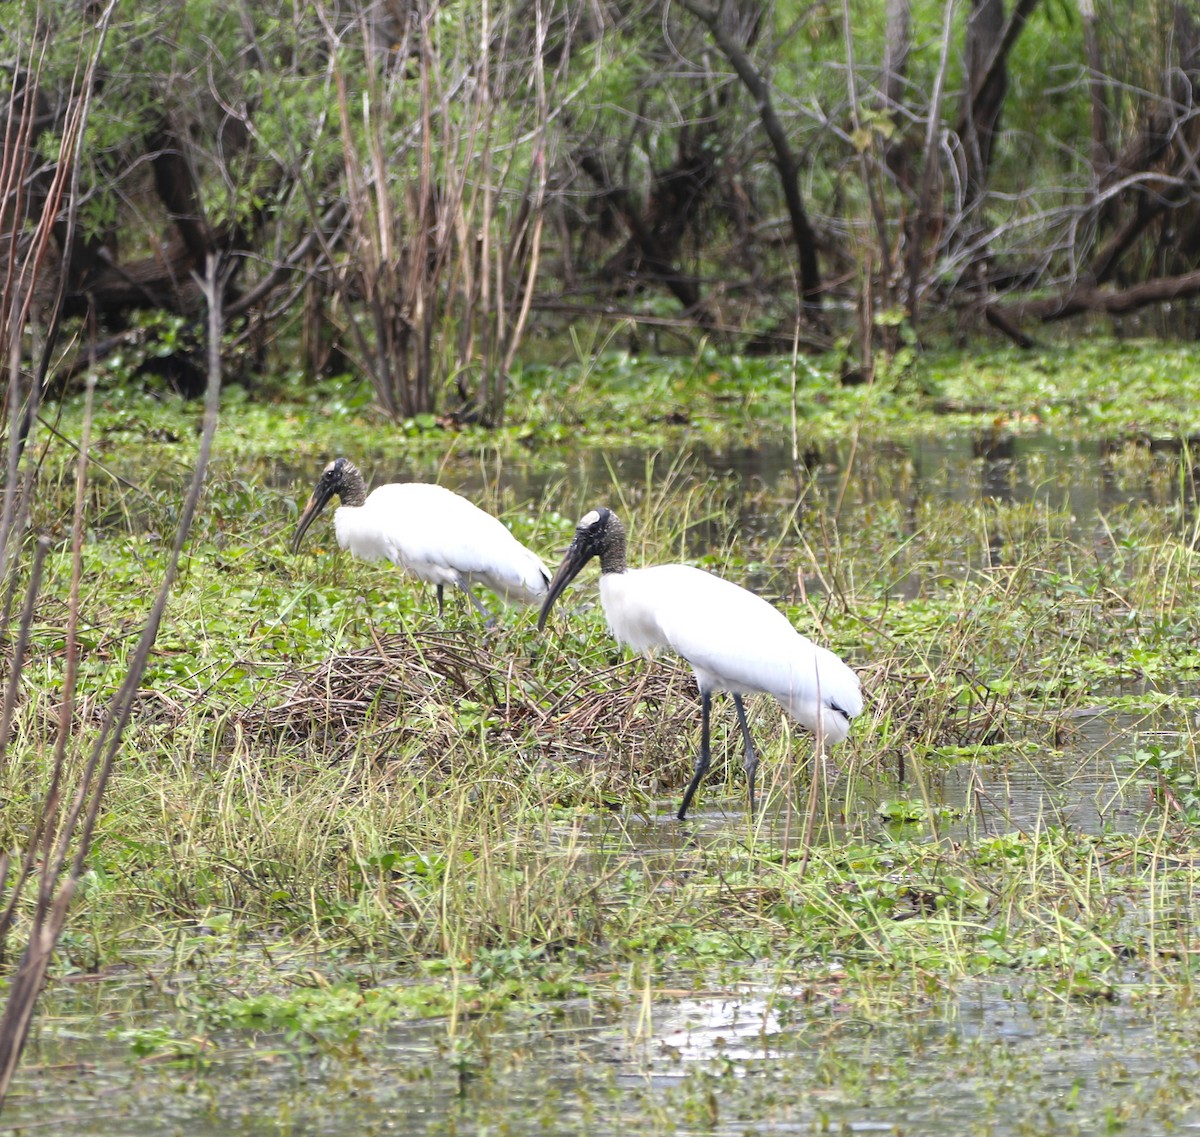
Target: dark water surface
<point x="1084" y="477"/>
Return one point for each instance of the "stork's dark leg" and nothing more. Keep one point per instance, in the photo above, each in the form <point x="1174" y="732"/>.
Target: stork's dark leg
<point x="480" y="607"/>
<point x="751" y="764"/>
<point x="701" y="762"/>
<point x="441" y="600"/>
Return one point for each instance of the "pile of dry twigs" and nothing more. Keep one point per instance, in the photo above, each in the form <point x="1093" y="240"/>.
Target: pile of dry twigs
<point x="410" y="697"/>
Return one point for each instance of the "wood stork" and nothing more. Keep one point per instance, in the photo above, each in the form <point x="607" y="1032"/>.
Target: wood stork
<point x="734" y="640"/>
<point x="428" y="531"/>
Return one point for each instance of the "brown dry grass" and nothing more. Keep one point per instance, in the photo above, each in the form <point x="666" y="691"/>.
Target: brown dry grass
<point x="377" y="700"/>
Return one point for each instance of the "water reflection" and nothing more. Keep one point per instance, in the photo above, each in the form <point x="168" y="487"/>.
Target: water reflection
<point x="765" y="506"/>
<point x="1084" y="478"/>
<point x="788" y="1054"/>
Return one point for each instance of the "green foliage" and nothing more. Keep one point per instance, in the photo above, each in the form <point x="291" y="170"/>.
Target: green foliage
<point x="435" y="156"/>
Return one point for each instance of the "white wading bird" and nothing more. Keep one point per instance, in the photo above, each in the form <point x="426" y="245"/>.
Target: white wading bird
<point x="734" y="640"/>
<point x="428" y="531"/>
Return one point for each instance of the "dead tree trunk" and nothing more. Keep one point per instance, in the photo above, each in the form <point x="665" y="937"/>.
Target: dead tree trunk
<point x="989" y="41"/>
<point x="652" y="250"/>
<point x="176" y="185"/>
<point x="984" y="89"/>
<point x="896" y="49"/>
<point x="785" y="160"/>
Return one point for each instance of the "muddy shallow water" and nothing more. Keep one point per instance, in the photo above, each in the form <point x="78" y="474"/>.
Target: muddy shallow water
<point x="987" y="1060"/>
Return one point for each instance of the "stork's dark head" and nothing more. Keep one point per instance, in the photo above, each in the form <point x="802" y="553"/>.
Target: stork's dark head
<point x="341" y="479"/>
<point x="598" y="534"/>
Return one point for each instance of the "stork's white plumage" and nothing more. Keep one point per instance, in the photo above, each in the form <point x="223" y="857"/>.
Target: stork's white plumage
<point x="428" y="531"/>
<point x="734" y="640"/>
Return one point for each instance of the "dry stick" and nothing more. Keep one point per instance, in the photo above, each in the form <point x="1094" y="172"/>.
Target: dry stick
<point x="12" y="482"/>
<point x="22" y="645"/>
<point x="483" y="104"/>
<point x="68" y="157"/>
<point x="540" y="166"/>
<point x="385" y="227"/>
<point x="930" y="166"/>
<point x="447" y="170"/>
<point x="517" y="330"/>
<point x="18" y="491"/>
<point x="15" y="175"/>
<point x="113" y="726"/>
<point x="92" y="461"/>
<point x="46" y="829"/>
<point x="50" y="915"/>
<point x="13" y="184"/>
<point x="24" y="988"/>
<point x="372" y="264"/>
<point x="12" y="180"/>
<point x="353" y="193"/>
<point x="16" y="508"/>
<point x="66" y="170"/>
<point x="21" y="271"/>
<point x="66" y="709"/>
<point x="422" y="289"/>
<point x="814" y="785"/>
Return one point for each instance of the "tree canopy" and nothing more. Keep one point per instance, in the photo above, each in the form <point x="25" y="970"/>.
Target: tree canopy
<point x="412" y="190"/>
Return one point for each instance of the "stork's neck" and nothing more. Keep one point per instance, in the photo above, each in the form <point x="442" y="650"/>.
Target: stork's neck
<point x="352" y="488"/>
<point x="612" y="553"/>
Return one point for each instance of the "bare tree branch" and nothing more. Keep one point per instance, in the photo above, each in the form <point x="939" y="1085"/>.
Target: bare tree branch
<point x="1089" y="298"/>
<point x="929" y="171"/>
<point x="785" y="160"/>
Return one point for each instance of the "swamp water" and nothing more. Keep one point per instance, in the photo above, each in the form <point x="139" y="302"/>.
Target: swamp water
<point x="1065" y="493"/>
<point x="810" y="1059"/>
<point x="767" y="1057"/>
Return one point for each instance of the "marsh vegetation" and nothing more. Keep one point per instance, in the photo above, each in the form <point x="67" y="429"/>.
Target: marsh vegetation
<point x="281" y="850"/>
<point x="351" y="855"/>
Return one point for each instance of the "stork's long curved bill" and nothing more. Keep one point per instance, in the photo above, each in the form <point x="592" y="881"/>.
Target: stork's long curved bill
<point x="572" y="563"/>
<point x="316" y="503"/>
